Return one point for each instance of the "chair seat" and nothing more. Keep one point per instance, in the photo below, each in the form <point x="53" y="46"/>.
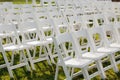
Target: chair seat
<point x="94" y="56"/>
<point x="29" y="30"/>
<point x="49" y="40"/>
<point x="117" y="45"/>
<point x="107" y="50"/>
<point x="15" y="22"/>
<point x="37" y="43"/>
<point x="14" y="47"/>
<point x="77" y="62"/>
<point x="2" y="35"/>
<point x="62" y="26"/>
<point x="46" y="28"/>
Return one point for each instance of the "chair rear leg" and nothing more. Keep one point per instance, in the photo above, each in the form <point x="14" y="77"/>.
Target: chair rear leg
<point x="30" y="59"/>
<point x="85" y="73"/>
<point x="26" y="61"/>
<point x="7" y="63"/>
<point x="113" y="63"/>
<point x="100" y="69"/>
<point x="56" y="72"/>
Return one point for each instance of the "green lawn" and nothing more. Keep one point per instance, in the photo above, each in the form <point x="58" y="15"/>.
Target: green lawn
<point x="46" y="72"/>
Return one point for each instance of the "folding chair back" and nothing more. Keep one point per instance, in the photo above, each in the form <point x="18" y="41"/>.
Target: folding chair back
<point x="45" y="23"/>
<point x="11" y="42"/>
<point x="52" y="8"/>
<point x="110" y="34"/>
<point x="29" y="31"/>
<point x="60" y="4"/>
<point x="73" y="20"/>
<point x="68" y="48"/>
<point x="9" y="33"/>
<point x="28" y="17"/>
<point x="13" y="19"/>
<point x="60" y="22"/>
<point x="77" y="4"/>
<point x="69" y="58"/>
<point x="100" y="20"/>
<point x="88" y="21"/>
<point x="48" y="3"/>
<point x="40" y="10"/>
<point x="27" y="6"/>
<point x="33" y="36"/>
<point x="28" y="10"/>
<point x="98" y="37"/>
<point x="111" y="18"/>
<point x="69" y="5"/>
<point x="83" y="41"/>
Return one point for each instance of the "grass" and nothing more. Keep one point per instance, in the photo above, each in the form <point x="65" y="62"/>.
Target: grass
<point x="46" y="72"/>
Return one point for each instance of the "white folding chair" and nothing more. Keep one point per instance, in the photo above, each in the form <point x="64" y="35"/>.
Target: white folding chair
<point x="88" y="9"/>
<point x="77" y="4"/>
<point x="3" y="53"/>
<point x="13" y="19"/>
<point x="88" y="21"/>
<point x="69" y="4"/>
<point x="70" y="59"/>
<point x="61" y="24"/>
<point x="48" y="2"/>
<point x="40" y="10"/>
<point x="46" y="27"/>
<point x="52" y="8"/>
<point x="117" y="30"/>
<point x="2" y="19"/>
<point x="7" y="5"/>
<point x="73" y="19"/>
<point x="26" y="6"/>
<point x="100" y="6"/>
<point x="3" y="11"/>
<point x="28" y="10"/>
<point x="100" y="44"/>
<point x="16" y="6"/>
<point x="100" y="20"/>
<point x="60" y="4"/>
<point x="113" y="39"/>
<point x="11" y="42"/>
<point x="33" y="37"/>
<point x="16" y="9"/>
<point x="27" y="17"/>
<point x="83" y="40"/>
<point x="116" y="9"/>
<point x="45" y="23"/>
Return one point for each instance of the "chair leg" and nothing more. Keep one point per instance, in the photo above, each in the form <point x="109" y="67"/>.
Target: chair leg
<point x="10" y="71"/>
<point x="46" y="52"/>
<point x="50" y="53"/>
<point x="12" y="58"/>
<point x="72" y="72"/>
<point x="56" y="73"/>
<point x="8" y="64"/>
<point x="26" y="61"/>
<point x="112" y="59"/>
<point x="34" y="52"/>
<point x="21" y="57"/>
<point x="30" y="59"/>
<point x="68" y="77"/>
<point x="100" y="69"/>
<point x="85" y="73"/>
